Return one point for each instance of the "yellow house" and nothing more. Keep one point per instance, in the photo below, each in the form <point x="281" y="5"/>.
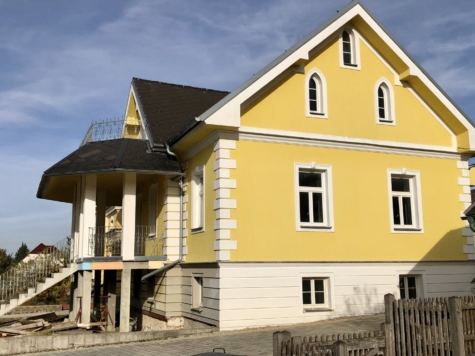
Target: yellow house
<point x="335" y="175"/>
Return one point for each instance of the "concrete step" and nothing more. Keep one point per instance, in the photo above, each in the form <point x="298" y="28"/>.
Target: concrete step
<point x="31" y="290"/>
<point x="13" y="303"/>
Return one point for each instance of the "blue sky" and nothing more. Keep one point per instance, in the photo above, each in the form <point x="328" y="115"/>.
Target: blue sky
<point x="66" y="63"/>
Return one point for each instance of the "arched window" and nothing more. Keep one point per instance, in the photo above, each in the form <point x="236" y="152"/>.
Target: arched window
<point x="348" y="48"/>
<point x="383" y="112"/>
<point x="384" y="102"/>
<point x="315" y="95"/>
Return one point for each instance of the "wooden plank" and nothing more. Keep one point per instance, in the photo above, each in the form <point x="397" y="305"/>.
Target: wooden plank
<point x="13" y="331"/>
<point x="435" y="338"/>
<point x="402" y="328"/>
<point x="446" y="328"/>
<point x="439" y="325"/>
<point x="456" y="326"/>
<point x="407" y="327"/>
<point x="423" y="327"/>
<point x="428" y="328"/>
<point x="417" y="311"/>
<point x="397" y="329"/>
<point x="412" y="325"/>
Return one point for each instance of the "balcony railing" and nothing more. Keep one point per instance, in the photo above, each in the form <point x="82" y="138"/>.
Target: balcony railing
<point x="106" y="241"/>
<point x="112" y="129"/>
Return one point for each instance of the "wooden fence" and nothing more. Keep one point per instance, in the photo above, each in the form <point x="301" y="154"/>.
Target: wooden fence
<point x="415" y="327"/>
<point x="361" y="344"/>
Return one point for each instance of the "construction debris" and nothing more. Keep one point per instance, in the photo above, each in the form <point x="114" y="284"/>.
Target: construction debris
<point x="28" y="325"/>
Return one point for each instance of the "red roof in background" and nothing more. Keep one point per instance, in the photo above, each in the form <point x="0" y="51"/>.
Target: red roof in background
<point x="41" y="247"/>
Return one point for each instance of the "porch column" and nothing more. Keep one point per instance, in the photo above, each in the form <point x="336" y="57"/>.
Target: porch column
<point x="84" y="291"/>
<point x="88" y="212"/>
<point x="128" y="216"/>
<point x="110" y="286"/>
<point x="76" y="225"/>
<point x="125" y="299"/>
<point x="73" y="293"/>
<point x="97" y="287"/>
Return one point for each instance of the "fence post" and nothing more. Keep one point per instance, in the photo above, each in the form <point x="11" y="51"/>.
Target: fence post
<point x="339" y="349"/>
<point x="456" y="326"/>
<point x="280" y="336"/>
<point x="389" y="324"/>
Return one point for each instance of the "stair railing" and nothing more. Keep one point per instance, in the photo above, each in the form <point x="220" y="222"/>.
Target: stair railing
<point x="35" y="268"/>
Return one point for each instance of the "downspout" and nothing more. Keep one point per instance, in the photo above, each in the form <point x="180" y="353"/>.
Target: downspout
<point x="180" y="243"/>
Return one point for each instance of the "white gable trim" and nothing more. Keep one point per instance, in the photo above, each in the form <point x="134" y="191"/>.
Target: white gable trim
<point x="228" y="113"/>
<point x="140" y="110"/>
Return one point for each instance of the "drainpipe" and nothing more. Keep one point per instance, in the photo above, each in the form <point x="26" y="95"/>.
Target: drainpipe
<point x="180" y="248"/>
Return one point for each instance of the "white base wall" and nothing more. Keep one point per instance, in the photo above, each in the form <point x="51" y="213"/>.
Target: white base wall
<point x="264" y="294"/>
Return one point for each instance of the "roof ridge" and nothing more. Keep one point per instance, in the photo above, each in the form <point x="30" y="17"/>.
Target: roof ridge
<point x="179" y="85"/>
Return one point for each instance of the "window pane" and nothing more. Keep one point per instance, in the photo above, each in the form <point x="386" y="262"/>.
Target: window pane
<point x="306" y="285"/>
<point x="318" y="285"/>
<point x="317" y="207"/>
<point x="402" y="289"/>
<point x="400" y="185"/>
<point x="312" y="94"/>
<point x="307" y="298"/>
<point x="346" y="47"/>
<point x="319" y="298"/>
<point x="382" y="114"/>
<point x="380" y="92"/>
<point x="345" y="36"/>
<point x="312" y="84"/>
<point x="381" y="103"/>
<point x="313" y="105"/>
<point x="396" y="215"/>
<point x="407" y="210"/>
<point x="307" y="179"/>
<point x="347" y="58"/>
<point x="304" y="207"/>
<point x="411" y="287"/>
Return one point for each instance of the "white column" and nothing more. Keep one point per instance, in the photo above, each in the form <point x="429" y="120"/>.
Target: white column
<point x="100" y="222"/>
<point x="88" y="212"/>
<point x="128" y="216"/>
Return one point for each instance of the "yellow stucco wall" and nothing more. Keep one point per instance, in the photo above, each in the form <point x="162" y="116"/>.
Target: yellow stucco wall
<point x="351" y="103"/>
<point x="200" y="245"/>
<point x="266" y="207"/>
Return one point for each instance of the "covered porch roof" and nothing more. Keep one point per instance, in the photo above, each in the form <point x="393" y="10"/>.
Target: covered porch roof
<point x="113" y="156"/>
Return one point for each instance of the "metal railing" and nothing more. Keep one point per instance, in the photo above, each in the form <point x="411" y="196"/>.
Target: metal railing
<point x="112" y="129"/>
<point x="106" y="241"/>
<point x="35" y="268"/>
<point x="149" y="240"/>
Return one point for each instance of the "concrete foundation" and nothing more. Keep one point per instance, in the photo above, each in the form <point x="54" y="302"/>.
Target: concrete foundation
<point x="125" y="299"/>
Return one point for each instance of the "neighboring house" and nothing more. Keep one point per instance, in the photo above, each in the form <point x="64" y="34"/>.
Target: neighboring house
<point x="335" y="175"/>
<point x="38" y="250"/>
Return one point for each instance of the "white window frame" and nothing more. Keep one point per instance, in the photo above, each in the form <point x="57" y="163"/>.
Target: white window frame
<point x="322" y="107"/>
<point x="390" y="108"/>
<point x="355" y="49"/>
<point x="329" y="296"/>
<point x="416" y="201"/>
<point x="198" y="200"/>
<point x="197" y="283"/>
<point x="327" y="190"/>
<point x="418" y="280"/>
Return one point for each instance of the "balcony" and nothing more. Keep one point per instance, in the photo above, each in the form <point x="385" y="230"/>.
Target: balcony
<point x="106" y="242"/>
<point x="113" y="129"/>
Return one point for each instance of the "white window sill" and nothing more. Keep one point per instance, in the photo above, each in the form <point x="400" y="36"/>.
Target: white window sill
<point x="316" y="309"/>
<point x="315" y="228"/>
<point x="351" y="66"/>
<point x="386" y="122"/>
<point x="197" y="230"/>
<point x="317" y="115"/>
<point x="197" y="310"/>
<point x="404" y="230"/>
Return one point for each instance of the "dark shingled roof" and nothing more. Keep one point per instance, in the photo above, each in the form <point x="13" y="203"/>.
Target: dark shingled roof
<point x="114" y="155"/>
<point x="169" y="107"/>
